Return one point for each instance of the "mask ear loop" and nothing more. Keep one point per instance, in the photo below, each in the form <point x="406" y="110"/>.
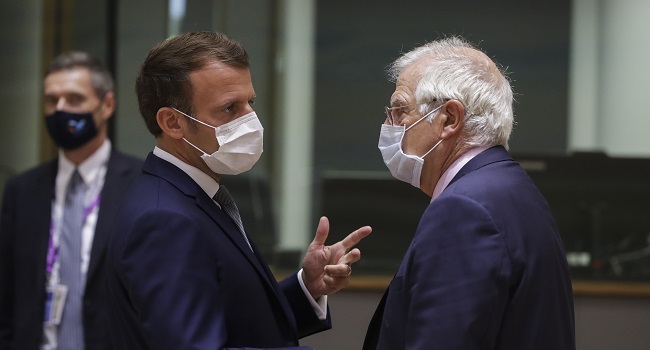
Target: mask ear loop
<point x="419" y="120"/>
<point x="198" y="149"/>
<point x="196" y="120"/>
<point x="434" y="147"/>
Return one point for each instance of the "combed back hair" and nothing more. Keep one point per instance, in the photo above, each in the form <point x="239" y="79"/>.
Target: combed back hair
<point x="455" y="69"/>
<point x="100" y="78"/>
<point x="164" y="77"/>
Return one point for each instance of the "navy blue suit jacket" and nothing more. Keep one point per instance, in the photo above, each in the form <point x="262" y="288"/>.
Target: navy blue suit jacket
<point x="24" y="236"/>
<point x="486" y="269"/>
<point x="182" y="276"/>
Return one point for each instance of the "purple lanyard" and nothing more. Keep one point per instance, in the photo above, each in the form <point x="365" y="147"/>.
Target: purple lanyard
<point x="52" y="251"/>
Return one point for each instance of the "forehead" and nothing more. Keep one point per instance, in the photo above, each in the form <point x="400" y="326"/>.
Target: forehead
<point x="75" y="80"/>
<point x="411" y="75"/>
<point x="220" y="82"/>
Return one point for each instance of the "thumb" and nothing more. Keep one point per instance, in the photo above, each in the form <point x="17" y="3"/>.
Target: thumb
<point x="322" y="231"/>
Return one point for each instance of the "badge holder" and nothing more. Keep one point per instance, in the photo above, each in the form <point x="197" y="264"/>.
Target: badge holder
<point x="54" y="303"/>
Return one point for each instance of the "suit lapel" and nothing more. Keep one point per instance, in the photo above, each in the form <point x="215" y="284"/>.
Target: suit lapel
<point x="232" y="232"/>
<point x="42" y="217"/>
<point x="206" y="204"/>
<point x="276" y="288"/>
<point x="117" y="179"/>
<point x="254" y="257"/>
<point x="172" y="174"/>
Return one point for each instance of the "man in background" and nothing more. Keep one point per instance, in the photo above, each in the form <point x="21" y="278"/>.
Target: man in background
<point x="57" y="217"/>
<point x="486" y="268"/>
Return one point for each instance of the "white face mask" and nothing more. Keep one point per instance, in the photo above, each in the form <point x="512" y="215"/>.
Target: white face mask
<point x="404" y="167"/>
<point x="240" y="145"/>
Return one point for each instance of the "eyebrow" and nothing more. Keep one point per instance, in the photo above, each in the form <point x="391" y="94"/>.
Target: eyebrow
<point x="397" y="102"/>
<point x="225" y="104"/>
<point x="65" y="95"/>
<point x="235" y="101"/>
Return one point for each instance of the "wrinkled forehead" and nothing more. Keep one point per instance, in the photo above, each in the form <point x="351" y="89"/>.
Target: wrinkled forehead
<point x="66" y="80"/>
<point x="413" y="72"/>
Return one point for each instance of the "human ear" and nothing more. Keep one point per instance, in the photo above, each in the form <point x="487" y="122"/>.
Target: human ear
<point x="168" y="122"/>
<point x="453" y="117"/>
<point x="108" y="105"/>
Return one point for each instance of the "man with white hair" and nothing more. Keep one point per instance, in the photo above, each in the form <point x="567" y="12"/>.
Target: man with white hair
<point x="486" y="268"/>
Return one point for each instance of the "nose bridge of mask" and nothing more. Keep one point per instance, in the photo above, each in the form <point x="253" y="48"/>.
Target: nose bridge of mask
<point x="225" y="129"/>
<point x="225" y="132"/>
<point x="398" y="132"/>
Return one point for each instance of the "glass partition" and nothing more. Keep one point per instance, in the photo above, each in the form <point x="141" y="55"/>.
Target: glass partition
<point x="574" y="91"/>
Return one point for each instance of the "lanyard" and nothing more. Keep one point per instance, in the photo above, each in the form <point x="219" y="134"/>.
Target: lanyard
<point x="53" y="248"/>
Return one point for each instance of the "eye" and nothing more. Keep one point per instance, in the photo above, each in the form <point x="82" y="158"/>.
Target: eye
<point x="75" y="99"/>
<point x="229" y="108"/>
<point x="51" y="101"/>
<point x="397" y="112"/>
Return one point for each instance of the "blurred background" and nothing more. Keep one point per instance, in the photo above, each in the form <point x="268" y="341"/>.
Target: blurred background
<point x="578" y="69"/>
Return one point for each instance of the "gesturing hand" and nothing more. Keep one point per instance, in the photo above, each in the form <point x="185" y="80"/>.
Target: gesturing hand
<point x="326" y="269"/>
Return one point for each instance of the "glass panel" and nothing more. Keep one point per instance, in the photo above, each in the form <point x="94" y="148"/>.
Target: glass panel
<point x="235" y="18"/>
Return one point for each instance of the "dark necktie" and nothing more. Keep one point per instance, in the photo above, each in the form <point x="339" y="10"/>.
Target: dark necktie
<point x="224" y="199"/>
<point x="71" y="328"/>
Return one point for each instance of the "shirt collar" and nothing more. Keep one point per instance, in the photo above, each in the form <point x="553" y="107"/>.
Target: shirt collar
<point x="89" y="168"/>
<point x="455" y="167"/>
<point x="208" y="184"/>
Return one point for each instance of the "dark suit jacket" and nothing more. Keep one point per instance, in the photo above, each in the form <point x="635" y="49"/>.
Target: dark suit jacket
<point x="182" y="276"/>
<point x="486" y="269"/>
<point x="24" y="236"/>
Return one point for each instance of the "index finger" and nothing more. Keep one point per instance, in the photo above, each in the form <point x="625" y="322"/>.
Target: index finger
<point x="355" y="237"/>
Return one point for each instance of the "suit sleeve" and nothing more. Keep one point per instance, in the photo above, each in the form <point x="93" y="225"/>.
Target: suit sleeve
<point x="456" y="279"/>
<point x="306" y="318"/>
<point x="6" y="269"/>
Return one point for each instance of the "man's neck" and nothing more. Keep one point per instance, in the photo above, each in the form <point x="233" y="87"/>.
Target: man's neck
<point x="186" y="155"/>
<point x="437" y="170"/>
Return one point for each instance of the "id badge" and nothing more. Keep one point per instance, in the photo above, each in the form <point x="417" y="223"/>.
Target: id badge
<point x="54" y="303"/>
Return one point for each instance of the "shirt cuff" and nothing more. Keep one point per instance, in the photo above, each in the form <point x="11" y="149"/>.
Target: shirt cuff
<point x="320" y="305"/>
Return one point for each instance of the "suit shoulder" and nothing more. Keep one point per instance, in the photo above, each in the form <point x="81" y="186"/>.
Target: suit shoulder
<point x="36" y="174"/>
<point x="124" y="158"/>
<point x="492" y="179"/>
<point x="124" y="166"/>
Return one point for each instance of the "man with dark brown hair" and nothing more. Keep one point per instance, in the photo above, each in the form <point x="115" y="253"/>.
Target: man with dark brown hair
<point x="183" y="272"/>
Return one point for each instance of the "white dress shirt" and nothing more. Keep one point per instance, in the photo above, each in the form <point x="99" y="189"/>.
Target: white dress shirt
<point x="211" y="186"/>
<point x="93" y="174"/>
<point x="455" y="167"/>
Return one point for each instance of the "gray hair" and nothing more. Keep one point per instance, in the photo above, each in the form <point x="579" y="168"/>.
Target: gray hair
<point x="100" y="78"/>
<point x="453" y="72"/>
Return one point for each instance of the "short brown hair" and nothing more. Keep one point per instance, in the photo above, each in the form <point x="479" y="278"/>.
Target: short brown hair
<point x="163" y="80"/>
<point x="100" y="78"/>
